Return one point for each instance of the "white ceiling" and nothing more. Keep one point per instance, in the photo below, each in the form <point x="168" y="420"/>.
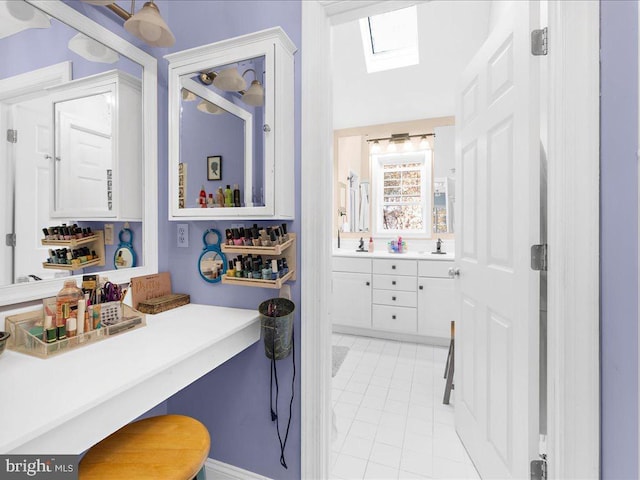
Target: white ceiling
<point x="450" y="32"/>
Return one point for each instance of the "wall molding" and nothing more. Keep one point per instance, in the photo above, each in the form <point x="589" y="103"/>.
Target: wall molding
<point x="225" y="471"/>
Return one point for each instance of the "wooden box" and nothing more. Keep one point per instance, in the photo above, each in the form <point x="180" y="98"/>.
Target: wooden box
<point x="164" y="303"/>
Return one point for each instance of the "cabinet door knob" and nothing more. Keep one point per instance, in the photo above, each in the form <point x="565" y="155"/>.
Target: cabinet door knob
<point x="420" y="287"/>
<point x="454" y="272"/>
<point x="393" y="267"/>
<point x="266" y="128"/>
<point x="393" y="317"/>
<point x="393" y="298"/>
<point x="393" y="282"/>
<point x="368" y="284"/>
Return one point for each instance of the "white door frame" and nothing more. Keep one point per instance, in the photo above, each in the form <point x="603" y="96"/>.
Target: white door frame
<point x="573" y="278"/>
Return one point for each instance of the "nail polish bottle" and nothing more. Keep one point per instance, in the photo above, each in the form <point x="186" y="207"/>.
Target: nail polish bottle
<point x="285" y="235"/>
<point x="256" y="237"/>
<point x="229" y="236"/>
<point x="49" y="329"/>
<point x="236" y="237"/>
<point x="231" y="271"/>
<point x="238" y="271"/>
<point x="274" y="269"/>
<point x="285" y="267"/>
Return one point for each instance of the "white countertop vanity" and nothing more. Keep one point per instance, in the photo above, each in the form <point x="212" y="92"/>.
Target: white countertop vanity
<point x="403" y="296"/>
<point x="69" y="402"/>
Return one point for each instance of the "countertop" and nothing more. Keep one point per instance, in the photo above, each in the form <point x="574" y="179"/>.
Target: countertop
<point x="67" y="403"/>
<point x="343" y="252"/>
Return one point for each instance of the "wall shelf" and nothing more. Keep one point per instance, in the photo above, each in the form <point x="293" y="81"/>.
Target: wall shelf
<point x="97" y="242"/>
<point x="286" y="250"/>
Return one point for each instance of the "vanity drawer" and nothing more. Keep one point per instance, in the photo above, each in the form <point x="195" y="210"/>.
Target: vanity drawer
<point x="395" y="267"/>
<point x="394" y="282"/>
<point x="351" y="265"/>
<point x="392" y="297"/>
<point x="397" y="319"/>
<point x="434" y="268"/>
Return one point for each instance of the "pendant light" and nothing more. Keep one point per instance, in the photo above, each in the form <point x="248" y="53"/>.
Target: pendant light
<point x="148" y="25"/>
<point x="188" y="95"/>
<point x="255" y="94"/>
<point x="229" y="80"/>
<point x="210" y="108"/>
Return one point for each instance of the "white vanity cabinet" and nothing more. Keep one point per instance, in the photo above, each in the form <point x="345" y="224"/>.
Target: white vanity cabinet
<point x="394" y="295"/>
<point x="400" y="298"/>
<point x="97" y="145"/>
<point x="253" y="140"/>
<point x="435" y="299"/>
<point x="351" y="292"/>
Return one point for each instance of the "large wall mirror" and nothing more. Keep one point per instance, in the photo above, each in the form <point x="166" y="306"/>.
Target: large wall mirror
<point x="48" y="48"/>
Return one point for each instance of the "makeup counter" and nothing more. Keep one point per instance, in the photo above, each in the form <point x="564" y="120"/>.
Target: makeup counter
<point x="67" y="403"/>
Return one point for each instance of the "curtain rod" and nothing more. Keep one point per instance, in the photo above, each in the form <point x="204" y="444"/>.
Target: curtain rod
<point x="397" y="137"/>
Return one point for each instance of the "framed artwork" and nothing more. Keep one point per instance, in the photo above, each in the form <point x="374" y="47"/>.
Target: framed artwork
<point x="214" y="168"/>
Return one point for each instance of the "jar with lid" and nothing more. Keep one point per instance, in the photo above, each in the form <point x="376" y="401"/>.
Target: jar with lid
<point x="66" y="306"/>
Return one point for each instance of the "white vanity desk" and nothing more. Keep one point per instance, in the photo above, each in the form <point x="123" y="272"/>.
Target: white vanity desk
<point x="66" y="404"/>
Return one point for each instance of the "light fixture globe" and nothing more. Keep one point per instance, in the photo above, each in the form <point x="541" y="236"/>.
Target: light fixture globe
<point x="230" y="80"/>
<point x="254" y="95"/>
<point x="210" y="108"/>
<point x="188" y="95"/>
<point x="149" y="26"/>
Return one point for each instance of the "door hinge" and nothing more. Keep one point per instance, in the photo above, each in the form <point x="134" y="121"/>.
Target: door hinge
<point x="539" y="42"/>
<point x="538" y="470"/>
<point x="10" y="240"/>
<point x="12" y="135"/>
<point x="539" y="257"/>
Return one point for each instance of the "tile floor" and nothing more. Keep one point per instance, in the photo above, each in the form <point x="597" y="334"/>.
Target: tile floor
<point x="389" y="420"/>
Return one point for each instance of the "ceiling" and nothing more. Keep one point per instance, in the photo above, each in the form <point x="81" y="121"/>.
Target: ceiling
<point x="450" y="32"/>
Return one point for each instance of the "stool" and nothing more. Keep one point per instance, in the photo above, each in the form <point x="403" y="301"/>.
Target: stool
<point x="167" y="447"/>
<point x="450" y="366"/>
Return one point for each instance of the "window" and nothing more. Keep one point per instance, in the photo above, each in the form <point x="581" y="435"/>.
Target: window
<point x="390" y="40"/>
<point x="403" y="193"/>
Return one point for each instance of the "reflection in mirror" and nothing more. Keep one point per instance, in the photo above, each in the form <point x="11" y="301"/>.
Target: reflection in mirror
<point x="211" y="266"/>
<point x="40" y="58"/>
<point x="221" y="117"/>
<point x="124" y="258"/>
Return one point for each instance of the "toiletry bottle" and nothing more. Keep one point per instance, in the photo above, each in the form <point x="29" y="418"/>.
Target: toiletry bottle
<point x="370" y="244"/>
<point x="228" y="197"/>
<point x="231" y="271"/>
<point x="71" y="327"/>
<point x="236" y="195"/>
<point x="399" y="244"/>
<point x="66" y="306"/>
<point x="220" y="197"/>
<point x="202" y="199"/>
<point x="82" y="304"/>
<point x="210" y="202"/>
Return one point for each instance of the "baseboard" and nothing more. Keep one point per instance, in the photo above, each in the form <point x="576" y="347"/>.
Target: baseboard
<point x="397" y="336"/>
<point x="217" y="470"/>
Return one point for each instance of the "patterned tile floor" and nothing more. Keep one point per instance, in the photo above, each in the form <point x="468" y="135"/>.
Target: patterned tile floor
<point x="389" y="420"/>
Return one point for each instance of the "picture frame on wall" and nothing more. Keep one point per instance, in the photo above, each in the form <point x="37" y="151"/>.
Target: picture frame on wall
<point x="214" y="167"/>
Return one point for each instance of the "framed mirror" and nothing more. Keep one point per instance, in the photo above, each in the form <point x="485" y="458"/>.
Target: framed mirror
<point x="232" y="100"/>
<point x="64" y="46"/>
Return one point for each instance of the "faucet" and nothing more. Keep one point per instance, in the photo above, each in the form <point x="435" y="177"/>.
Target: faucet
<point x="439" y="245"/>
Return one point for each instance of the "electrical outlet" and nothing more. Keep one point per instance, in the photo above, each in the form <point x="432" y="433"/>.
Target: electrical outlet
<point x="183" y="235"/>
<point x="108" y="233"/>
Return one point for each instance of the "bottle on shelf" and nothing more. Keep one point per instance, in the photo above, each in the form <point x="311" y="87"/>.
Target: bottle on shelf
<point x="66" y="306"/>
<point x="236" y="195"/>
<point x="370" y="244"/>
<point x="228" y="197"/>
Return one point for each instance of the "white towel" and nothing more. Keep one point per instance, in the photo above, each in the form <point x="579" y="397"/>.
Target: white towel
<point x="363" y="218"/>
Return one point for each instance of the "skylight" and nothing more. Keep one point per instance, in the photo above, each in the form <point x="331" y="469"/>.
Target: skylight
<point x="390" y="40"/>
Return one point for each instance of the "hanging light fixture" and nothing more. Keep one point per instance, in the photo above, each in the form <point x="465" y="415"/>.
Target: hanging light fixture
<point x="211" y="108"/>
<point x="424" y="143"/>
<point x="255" y="94"/>
<point x="404" y="139"/>
<point x="375" y="148"/>
<point x="229" y="80"/>
<point x="188" y="95"/>
<point x="92" y="50"/>
<point x="146" y="24"/>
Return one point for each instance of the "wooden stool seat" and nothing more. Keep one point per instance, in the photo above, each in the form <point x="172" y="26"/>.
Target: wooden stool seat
<point x="167" y="447"/>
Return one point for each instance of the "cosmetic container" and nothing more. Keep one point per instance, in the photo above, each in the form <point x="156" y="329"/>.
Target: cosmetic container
<point x="50" y="335"/>
<point x="71" y="327"/>
<point x="285" y="267"/>
<point x="236" y="196"/>
<point x="228" y="197"/>
<point x="285" y="235"/>
<point x="82" y="304"/>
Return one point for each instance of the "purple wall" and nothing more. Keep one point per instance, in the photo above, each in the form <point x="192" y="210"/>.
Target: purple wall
<point x="619" y="239"/>
<point x="233" y="400"/>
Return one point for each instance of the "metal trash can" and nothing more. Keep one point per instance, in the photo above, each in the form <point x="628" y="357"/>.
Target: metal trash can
<point x="277" y="326"/>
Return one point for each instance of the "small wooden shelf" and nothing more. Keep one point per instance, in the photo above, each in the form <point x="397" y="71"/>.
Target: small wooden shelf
<point x="275" y="250"/>
<point x="286" y="250"/>
<point x="71" y="243"/>
<point x="98" y="243"/>
<point x="254" y="282"/>
<point x="78" y="266"/>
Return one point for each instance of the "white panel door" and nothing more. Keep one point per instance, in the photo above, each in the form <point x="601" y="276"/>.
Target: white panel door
<point x="33" y="166"/>
<point x="497" y="155"/>
<point x="83" y="162"/>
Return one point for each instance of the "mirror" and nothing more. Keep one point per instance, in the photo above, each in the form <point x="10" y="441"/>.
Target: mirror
<point x="212" y="264"/>
<point x="218" y="120"/>
<point x="64" y="47"/>
<point x="248" y="83"/>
